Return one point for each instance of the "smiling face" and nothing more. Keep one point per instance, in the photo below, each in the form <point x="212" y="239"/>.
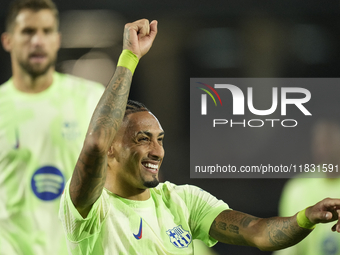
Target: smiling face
<point x="33" y="42"/>
<point x="138" y="151"/>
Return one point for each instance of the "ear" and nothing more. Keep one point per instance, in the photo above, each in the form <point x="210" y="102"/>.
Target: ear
<point x="110" y="152"/>
<point x="6" y="41"/>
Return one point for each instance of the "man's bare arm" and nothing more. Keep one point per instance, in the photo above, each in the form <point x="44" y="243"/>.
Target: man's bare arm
<point x="238" y="228"/>
<point x="270" y="234"/>
<point x="89" y="176"/>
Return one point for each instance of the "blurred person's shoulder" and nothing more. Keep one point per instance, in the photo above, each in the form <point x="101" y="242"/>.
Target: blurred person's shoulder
<point x="77" y="86"/>
<point x="301" y="180"/>
<point x="5" y="86"/>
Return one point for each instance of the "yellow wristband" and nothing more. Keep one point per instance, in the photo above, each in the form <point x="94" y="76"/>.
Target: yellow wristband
<point x="129" y="60"/>
<point x="303" y="221"/>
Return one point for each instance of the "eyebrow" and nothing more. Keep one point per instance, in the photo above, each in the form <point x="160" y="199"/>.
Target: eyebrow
<point x="34" y="28"/>
<point x="149" y="133"/>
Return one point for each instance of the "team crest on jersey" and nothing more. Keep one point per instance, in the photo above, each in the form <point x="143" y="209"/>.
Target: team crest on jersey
<point x="179" y="237"/>
<point x="48" y="183"/>
<point x="70" y="130"/>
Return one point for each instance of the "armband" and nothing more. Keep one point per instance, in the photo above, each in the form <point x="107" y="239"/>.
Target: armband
<point x="303" y="221"/>
<point x="129" y="60"/>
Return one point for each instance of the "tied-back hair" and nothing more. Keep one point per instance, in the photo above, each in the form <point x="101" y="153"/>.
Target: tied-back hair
<point x="134" y="106"/>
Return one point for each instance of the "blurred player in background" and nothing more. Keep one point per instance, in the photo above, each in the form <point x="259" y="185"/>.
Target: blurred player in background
<point x="44" y="116"/>
<point x="300" y="192"/>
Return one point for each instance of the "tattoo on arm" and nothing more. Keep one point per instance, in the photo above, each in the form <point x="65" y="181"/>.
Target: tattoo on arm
<point x="222" y="225"/>
<point x="284" y="232"/>
<point x="226" y="227"/>
<point x="246" y="220"/>
<point x="233" y="229"/>
<point x="90" y="172"/>
<point x="127" y="41"/>
<point x="275" y="233"/>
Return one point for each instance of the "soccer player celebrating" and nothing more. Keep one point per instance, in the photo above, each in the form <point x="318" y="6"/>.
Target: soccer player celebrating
<point x="114" y="203"/>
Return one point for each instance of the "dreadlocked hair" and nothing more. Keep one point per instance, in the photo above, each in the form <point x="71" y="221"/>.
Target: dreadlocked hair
<point x="134" y="106"/>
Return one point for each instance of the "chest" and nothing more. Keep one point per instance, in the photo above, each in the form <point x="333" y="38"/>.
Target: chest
<point x="155" y="229"/>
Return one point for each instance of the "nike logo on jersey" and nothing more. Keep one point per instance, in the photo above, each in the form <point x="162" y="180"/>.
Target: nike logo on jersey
<point x="17" y="143"/>
<point x="139" y="235"/>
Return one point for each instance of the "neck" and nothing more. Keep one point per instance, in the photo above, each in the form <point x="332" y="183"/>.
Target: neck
<point x="26" y="83"/>
<point x="125" y="190"/>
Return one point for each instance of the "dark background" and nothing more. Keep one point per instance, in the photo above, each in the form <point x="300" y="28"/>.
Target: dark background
<point x="283" y="38"/>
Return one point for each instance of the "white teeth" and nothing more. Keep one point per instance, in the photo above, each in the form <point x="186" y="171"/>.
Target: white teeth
<point x="151" y="165"/>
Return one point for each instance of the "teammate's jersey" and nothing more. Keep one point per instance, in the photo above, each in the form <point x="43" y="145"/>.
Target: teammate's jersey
<point x="300" y="193"/>
<point x="41" y="136"/>
<point x="166" y="223"/>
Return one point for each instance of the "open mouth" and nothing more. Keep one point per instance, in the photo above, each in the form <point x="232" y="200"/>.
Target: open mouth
<point x="150" y="167"/>
<point x="37" y="57"/>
